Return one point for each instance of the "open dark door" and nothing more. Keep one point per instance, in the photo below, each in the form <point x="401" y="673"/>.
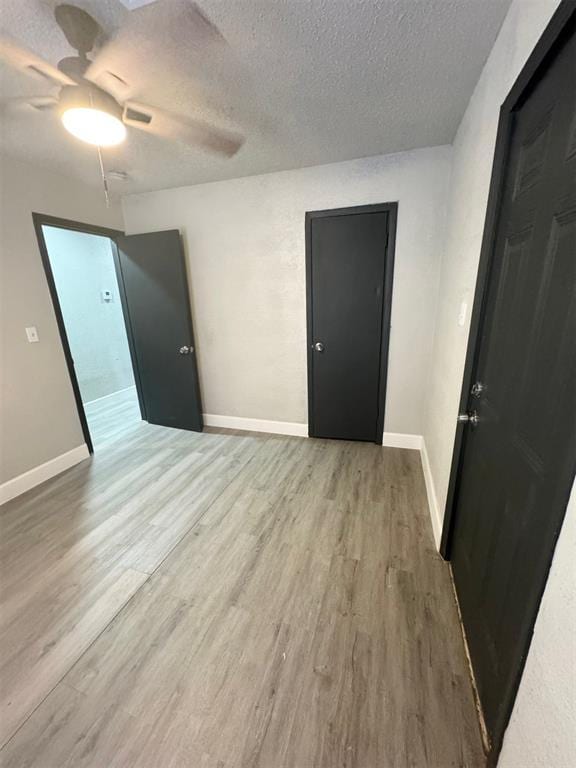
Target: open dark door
<point x="153" y="274"/>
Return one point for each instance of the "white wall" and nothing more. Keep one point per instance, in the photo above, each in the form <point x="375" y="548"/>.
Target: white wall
<point x="245" y="248"/>
<point x="83" y="266"/>
<point x="542" y="731"/>
<point x="38" y="417"/>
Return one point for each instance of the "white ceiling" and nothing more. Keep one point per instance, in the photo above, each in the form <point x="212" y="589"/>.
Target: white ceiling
<point x="314" y="81"/>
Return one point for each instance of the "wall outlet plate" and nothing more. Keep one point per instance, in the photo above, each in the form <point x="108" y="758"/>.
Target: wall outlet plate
<point x="32" y="334"/>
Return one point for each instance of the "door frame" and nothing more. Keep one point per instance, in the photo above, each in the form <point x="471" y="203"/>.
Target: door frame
<point x="40" y="220"/>
<point x="545" y="49"/>
<point x="389" y="248"/>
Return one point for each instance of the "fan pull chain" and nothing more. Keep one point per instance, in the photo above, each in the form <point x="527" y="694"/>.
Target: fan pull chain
<point x="104" y="179"/>
<point x="102" y="172"/>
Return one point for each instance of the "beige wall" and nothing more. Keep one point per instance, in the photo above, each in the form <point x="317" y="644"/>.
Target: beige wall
<point x="541" y="731"/>
<point x="38" y="417"/>
<point x="246" y="255"/>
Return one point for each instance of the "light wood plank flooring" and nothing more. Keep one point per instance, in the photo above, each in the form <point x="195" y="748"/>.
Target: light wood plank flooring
<point x="113" y="418"/>
<point x="230" y="600"/>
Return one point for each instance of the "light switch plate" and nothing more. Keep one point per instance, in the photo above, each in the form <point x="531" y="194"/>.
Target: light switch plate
<point x="32" y="334"/>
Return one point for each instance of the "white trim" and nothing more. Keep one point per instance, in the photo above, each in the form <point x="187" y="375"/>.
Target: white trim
<point x="390" y="440"/>
<point x="112" y="394"/>
<point x="431" y="493"/>
<point x="22" y="483"/>
<point x="401" y="440"/>
<point x="256" y="425"/>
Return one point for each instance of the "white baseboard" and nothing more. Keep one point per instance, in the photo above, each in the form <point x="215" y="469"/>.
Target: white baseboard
<point x="390" y="440"/>
<point x="400" y="440"/>
<point x="18" y="485"/>
<point x="432" y="498"/>
<point x="256" y="425"/>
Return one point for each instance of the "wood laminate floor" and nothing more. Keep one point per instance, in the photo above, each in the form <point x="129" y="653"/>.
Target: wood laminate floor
<point x="113" y="418"/>
<point x="227" y="600"/>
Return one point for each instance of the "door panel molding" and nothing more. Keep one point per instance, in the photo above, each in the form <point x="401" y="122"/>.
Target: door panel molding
<point x="391" y="209"/>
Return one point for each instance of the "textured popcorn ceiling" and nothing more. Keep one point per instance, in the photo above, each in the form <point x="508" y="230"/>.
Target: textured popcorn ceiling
<point x="313" y="81"/>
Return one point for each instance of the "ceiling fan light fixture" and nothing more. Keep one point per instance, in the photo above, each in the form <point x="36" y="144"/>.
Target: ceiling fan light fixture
<point x="94" y="126"/>
<point x="93" y="116"/>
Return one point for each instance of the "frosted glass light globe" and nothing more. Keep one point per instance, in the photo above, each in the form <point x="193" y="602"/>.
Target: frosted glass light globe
<point x="94" y="126"/>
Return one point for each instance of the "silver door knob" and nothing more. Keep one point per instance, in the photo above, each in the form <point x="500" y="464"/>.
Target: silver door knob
<point x="186" y="350"/>
<point x="319" y="347"/>
<point x="471" y="418"/>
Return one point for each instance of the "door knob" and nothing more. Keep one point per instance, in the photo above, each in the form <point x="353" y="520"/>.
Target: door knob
<point x="471" y="418"/>
<point x="319" y="347"/>
<point x="186" y="350"/>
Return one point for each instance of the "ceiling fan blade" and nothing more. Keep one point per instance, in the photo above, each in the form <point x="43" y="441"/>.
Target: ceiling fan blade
<point x="114" y="85"/>
<point x="152" y="40"/>
<point x="42" y="103"/>
<point x="79" y="28"/>
<point x="204" y="27"/>
<point x="20" y="58"/>
<point x="39" y="103"/>
<point x="192" y="132"/>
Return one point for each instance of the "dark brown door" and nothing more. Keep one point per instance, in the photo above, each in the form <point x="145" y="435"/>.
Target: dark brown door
<point x="519" y="460"/>
<point x="153" y="275"/>
<point x="346" y="280"/>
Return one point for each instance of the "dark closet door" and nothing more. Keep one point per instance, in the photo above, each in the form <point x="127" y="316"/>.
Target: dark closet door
<point x="346" y="280"/>
<point x="153" y="274"/>
<point x="519" y="459"/>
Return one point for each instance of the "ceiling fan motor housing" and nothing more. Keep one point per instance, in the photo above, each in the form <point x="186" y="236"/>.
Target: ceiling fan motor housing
<point x="85" y="95"/>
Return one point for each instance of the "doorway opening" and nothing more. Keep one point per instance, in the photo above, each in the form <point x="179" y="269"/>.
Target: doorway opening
<point x="114" y="293"/>
<point x="83" y="274"/>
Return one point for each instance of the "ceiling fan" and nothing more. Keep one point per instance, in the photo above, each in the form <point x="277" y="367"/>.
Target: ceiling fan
<point x="91" y="102"/>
